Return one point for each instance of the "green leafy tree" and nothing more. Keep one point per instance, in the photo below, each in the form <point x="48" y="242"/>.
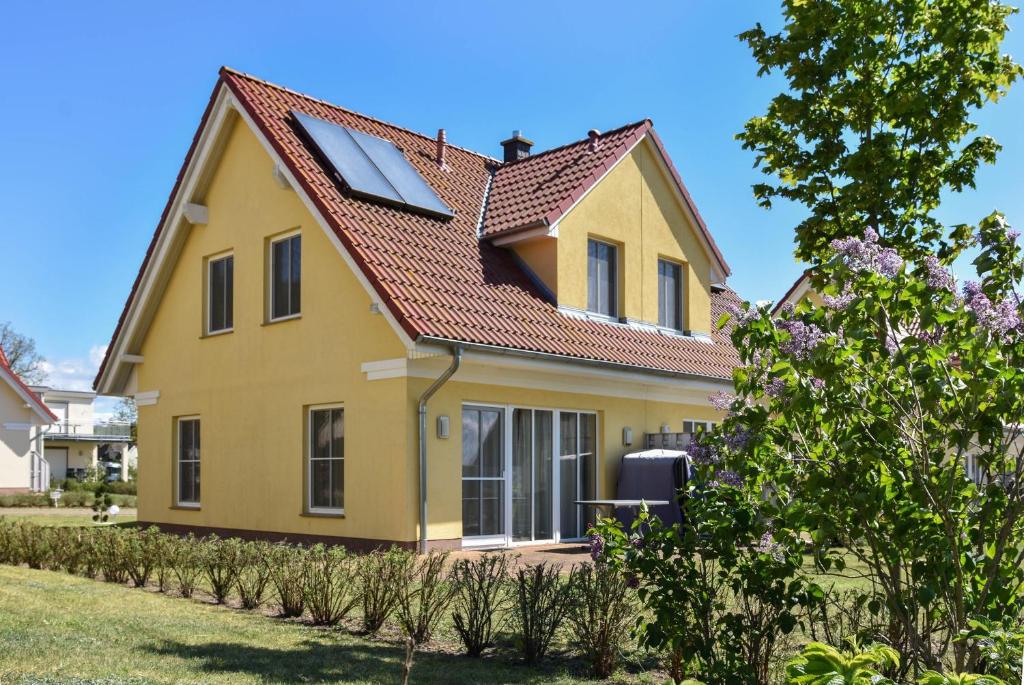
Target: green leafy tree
<point x="101" y="504"/>
<point x="889" y="417"/>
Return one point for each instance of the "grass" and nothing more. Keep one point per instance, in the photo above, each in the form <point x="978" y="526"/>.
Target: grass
<point x="63" y="516"/>
<point x="56" y="628"/>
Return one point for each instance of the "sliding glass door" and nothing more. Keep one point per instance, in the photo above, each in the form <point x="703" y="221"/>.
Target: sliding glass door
<point x="483" y="472"/>
<point x="577" y="470"/>
<point x="514" y="490"/>
<point x="532" y="474"/>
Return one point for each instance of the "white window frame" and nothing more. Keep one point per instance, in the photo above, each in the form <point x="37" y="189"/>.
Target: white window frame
<point x="178" y="462"/>
<point x="333" y="511"/>
<point x="708" y="424"/>
<point x="210" y="261"/>
<point x="680" y="304"/>
<point x="505" y="540"/>
<point x="616" y="276"/>
<point x="270" y="277"/>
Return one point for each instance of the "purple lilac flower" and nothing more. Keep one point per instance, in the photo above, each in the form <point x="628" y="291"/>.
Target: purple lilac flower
<point x="803" y="338"/>
<point x="744" y="316"/>
<point x="637" y="541"/>
<point x="939" y="277"/>
<point x="775" y="387"/>
<point x="632" y="581"/>
<point x="767" y="545"/>
<point x="737" y="439"/>
<point x="866" y="255"/>
<point x="841" y="301"/>
<point x="596" y="546"/>
<point x="703" y="453"/>
<point x="817" y="384"/>
<point x="724" y="477"/>
<point x="721" y="400"/>
<point x="999" y="318"/>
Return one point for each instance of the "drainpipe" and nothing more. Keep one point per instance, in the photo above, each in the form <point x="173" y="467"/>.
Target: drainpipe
<point x="424" y="398"/>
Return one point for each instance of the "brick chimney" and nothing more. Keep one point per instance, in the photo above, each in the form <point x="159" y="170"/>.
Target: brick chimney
<point x="516" y="147"/>
<point x="440" y="148"/>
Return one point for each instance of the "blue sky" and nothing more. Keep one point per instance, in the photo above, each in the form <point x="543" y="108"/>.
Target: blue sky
<point x="100" y="101"/>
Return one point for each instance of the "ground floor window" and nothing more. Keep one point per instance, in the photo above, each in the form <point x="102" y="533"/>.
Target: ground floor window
<point x="326" y="467"/>
<point x="188" y="461"/>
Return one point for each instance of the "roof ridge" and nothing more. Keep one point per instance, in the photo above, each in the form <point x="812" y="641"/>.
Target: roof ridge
<point x="613" y="131"/>
<point x="307" y="96"/>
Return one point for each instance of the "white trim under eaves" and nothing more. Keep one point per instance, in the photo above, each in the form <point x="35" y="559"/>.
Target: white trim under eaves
<point x="542" y="231"/>
<point x="145" y="399"/>
<point x="17" y="426"/>
<point x="212" y="138"/>
<point x="553" y="376"/>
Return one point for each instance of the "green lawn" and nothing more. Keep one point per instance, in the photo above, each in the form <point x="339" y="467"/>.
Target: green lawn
<point x="63" y="516"/>
<point x="56" y="628"/>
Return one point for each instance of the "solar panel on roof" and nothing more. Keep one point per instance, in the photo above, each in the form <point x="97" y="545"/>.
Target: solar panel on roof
<point x="372" y="166"/>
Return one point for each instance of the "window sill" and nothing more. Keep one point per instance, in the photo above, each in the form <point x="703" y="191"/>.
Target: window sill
<point x="281" y="319"/>
<point x="186" y="507"/>
<point x="216" y="334"/>
<point x="337" y="514"/>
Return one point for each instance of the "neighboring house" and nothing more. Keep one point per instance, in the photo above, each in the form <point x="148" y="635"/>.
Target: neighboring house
<point x="23" y="417"/>
<point x="330" y="301"/>
<point x="798" y="292"/>
<point x="77" y="443"/>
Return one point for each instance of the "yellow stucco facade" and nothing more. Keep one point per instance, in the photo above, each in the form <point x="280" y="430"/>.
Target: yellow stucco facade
<point x="252" y="387"/>
<point x="637" y="208"/>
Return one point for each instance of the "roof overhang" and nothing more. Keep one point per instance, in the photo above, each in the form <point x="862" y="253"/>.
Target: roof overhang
<point x="795" y="294"/>
<point x="32" y="401"/>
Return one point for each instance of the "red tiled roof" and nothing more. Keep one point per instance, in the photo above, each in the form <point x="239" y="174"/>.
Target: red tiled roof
<point x="19" y="386"/>
<point x="438" y="279"/>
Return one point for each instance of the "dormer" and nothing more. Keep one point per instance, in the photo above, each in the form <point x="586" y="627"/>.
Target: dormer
<point x="607" y="228"/>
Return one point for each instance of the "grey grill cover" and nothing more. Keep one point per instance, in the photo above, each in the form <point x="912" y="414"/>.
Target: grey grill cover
<point x="653" y="475"/>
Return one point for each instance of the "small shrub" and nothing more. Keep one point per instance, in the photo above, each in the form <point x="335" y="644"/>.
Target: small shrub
<point x="424" y="596"/>
<point x="70" y="547"/>
<point x="329" y="584"/>
<point x="254" y="574"/>
<point x="380" y="578"/>
<point x="287" y="573"/>
<point x="112" y="549"/>
<point x="31" y="544"/>
<point x="541" y="602"/>
<point x="143" y="554"/>
<point x="8" y="544"/>
<point x="163" y="565"/>
<point x="25" y="499"/>
<point x="481" y="600"/>
<point x="186" y="559"/>
<point x="601" y="612"/>
<point x="221" y="561"/>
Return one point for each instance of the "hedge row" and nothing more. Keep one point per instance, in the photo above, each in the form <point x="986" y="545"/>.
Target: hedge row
<point x="592" y="607"/>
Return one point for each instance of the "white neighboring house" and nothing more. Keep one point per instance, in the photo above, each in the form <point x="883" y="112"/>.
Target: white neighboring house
<point x="76" y="442"/>
<point x="23" y="421"/>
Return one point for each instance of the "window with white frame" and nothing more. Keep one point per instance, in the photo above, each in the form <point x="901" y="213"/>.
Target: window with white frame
<point x="326" y="457"/>
<point x="220" y="294"/>
<point x="602" y="280"/>
<point x="188" y="461"/>
<point x="286" y="277"/>
<point x="670" y="295"/>
<point x="691" y="426"/>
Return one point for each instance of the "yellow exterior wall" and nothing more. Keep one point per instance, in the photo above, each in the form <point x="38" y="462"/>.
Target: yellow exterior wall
<point x="250" y="387"/>
<point x="541" y="257"/>
<point x="636" y="207"/>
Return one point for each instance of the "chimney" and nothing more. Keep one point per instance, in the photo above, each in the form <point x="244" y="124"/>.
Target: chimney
<point x="440" y="147"/>
<point x="516" y="147"/>
<point x="593" y="134"/>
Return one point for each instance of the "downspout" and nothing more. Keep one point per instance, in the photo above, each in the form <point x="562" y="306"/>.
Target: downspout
<point x="424" y="398"/>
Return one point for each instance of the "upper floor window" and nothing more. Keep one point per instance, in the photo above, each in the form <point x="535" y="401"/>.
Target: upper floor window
<point x="602" y="278"/>
<point x="188" y="461"/>
<point x="670" y="295"/>
<point x="326" y="459"/>
<point x="286" y="277"/>
<point x="221" y="293"/>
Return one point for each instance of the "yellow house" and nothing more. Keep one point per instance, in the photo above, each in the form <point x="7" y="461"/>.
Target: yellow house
<point x="349" y="331"/>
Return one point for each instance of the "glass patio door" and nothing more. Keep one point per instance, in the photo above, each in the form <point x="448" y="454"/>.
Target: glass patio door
<point x="532" y="475"/>
<point x="577" y="470"/>
<point x="483" y="473"/>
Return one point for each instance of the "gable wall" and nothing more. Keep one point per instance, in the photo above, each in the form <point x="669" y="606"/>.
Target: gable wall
<point x="251" y="388"/>
<point x="636" y="207"/>
<point x="15" y="442"/>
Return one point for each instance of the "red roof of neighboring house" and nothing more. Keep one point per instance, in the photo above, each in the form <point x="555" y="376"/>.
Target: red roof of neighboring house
<point x="437" y="278"/>
<point x="32" y="399"/>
